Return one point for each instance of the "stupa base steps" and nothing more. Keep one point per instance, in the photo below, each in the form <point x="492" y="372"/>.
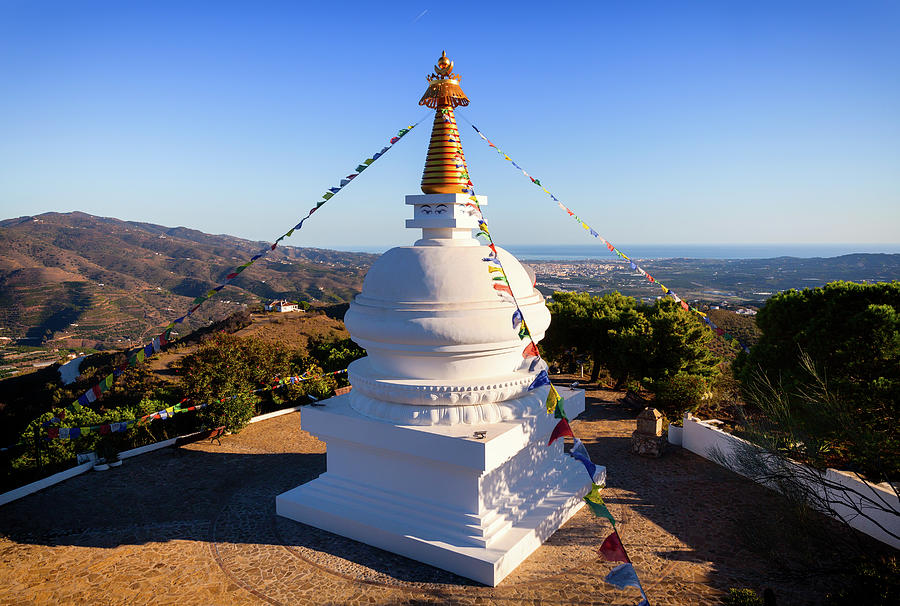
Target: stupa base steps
<point x="438" y="495"/>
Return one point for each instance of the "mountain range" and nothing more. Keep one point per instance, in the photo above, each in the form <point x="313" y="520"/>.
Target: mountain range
<point x="87" y="281"/>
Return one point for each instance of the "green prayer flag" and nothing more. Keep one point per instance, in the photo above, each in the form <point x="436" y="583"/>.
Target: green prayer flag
<point x="537" y="181"/>
<point x="523" y="331"/>
<point x="559" y="413"/>
<point x="361" y="168"/>
<point x="368" y="161"/>
<point x="600" y="510"/>
<point x="318" y="204"/>
<point x="328" y="195"/>
<point x="288" y="235"/>
<point x="140" y="356"/>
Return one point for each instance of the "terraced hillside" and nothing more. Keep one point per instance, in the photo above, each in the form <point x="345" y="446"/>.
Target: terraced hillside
<point x="73" y="279"/>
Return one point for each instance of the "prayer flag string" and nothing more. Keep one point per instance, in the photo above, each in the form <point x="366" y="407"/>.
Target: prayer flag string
<point x="729" y="338"/>
<point x="623" y="575"/>
<point x="162" y="339"/>
<point x="70" y="433"/>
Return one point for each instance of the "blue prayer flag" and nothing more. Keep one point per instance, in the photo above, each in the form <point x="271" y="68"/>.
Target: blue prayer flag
<point x="541" y="379"/>
<point x="623" y="576"/>
<point x="517" y="318"/>
<point x="580" y="453"/>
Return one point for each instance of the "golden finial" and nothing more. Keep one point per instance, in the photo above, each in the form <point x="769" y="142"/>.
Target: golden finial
<point x="443" y="86"/>
<point x="444" y="65"/>
<point x="445" y="165"/>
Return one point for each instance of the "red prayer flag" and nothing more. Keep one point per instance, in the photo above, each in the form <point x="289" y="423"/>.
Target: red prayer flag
<point x="53" y="432"/>
<point x="231" y="276"/>
<point x="531" y="351"/>
<point x="96" y="390"/>
<point x="503" y="288"/>
<point x="612" y="549"/>
<point x="104" y="429"/>
<point x="610" y="247"/>
<point x="493" y="249"/>
<point x="562" y="429"/>
<point x="685" y="306"/>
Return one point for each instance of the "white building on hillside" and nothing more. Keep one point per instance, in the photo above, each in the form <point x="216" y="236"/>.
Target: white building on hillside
<point x="282" y="305"/>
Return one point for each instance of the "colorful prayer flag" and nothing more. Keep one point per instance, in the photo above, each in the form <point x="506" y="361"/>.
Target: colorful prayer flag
<point x="580" y="453"/>
<point x="553" y="398"/>
<point x="541" y="379"/>
<point x="562" y="429"/>
<point x="612" y="549"/>
<point x="517" y="318"/>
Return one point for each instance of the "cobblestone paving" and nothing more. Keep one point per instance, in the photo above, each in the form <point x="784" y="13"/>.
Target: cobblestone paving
<point x="196" y="525"/>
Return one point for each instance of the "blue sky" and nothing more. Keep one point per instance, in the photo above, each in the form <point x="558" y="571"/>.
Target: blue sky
<point x="657" y="122"/>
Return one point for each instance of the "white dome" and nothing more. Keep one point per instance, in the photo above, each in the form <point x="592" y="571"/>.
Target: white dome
<point x="431" y="313"/>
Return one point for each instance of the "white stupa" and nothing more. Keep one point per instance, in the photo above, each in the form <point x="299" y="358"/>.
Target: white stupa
<point x="439" y="453"/>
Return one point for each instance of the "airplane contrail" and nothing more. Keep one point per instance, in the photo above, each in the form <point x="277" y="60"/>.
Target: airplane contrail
<point x="422" y="14"/>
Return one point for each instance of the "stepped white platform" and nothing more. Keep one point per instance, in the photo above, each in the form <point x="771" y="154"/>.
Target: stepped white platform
<point x="437" y="494"/>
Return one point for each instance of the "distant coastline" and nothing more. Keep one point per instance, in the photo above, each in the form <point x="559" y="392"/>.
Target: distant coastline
<point x="579" y="252"/>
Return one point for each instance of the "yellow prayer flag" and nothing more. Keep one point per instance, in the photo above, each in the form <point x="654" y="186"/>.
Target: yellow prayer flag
<point x="594" y="494"/>
<point x="553" y="398"/>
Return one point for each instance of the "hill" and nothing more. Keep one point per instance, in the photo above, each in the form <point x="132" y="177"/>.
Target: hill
<point x="77" y="280"/>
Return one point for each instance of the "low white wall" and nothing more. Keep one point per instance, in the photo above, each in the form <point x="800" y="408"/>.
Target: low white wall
<point x="22" y="491"/>
<point x="56" y="478"/>
<point x="704" y="439"/>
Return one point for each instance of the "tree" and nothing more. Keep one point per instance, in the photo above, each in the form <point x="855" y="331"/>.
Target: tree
<point x="680" y="343"/>
<point x="648" y="343"/>
<point x="608" y="330"/>
<point x="849" y="335"/>
<point x="852" y="333"/>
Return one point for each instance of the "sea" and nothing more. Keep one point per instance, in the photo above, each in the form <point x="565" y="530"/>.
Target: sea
<point x="576" y="252"/>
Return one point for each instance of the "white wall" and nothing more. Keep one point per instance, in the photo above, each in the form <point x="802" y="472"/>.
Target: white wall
<point x="704" y="439"/>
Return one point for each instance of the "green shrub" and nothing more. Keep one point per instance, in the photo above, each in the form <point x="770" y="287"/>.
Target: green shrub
<point x="679" y="393"/>
<point x="874" y="583"/>
<point x="742" y="597"/>
<point x="234" y="413"/>
<point x="57" y="451"/>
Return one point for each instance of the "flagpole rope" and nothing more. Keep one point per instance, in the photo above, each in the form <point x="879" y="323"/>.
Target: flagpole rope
<point x="154" y="346"/>
<point x="554" y="402"/>
<point x="634" y="265"/>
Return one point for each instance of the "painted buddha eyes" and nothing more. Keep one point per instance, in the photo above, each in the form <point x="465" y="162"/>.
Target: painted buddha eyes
<point x="440" y="209"/>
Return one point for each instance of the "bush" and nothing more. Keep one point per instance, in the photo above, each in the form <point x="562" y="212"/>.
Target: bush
<point x="874" y="583"/>
<point x="234" y="413"/>
<point x="57" y="451"/>
<point x="679" y="393"/>
<point x="742" y="597"/>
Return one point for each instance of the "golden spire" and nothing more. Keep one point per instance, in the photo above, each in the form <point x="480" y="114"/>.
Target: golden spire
<point x="445" y="165"/>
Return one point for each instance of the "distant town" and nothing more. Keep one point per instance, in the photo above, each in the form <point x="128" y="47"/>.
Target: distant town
<point x="742" y="285"/>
